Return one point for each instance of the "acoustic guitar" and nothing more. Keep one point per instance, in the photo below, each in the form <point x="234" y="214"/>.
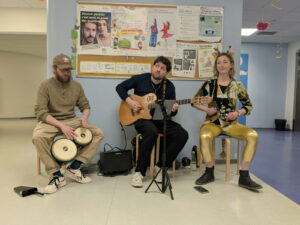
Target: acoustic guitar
<point x="127" y="116"/>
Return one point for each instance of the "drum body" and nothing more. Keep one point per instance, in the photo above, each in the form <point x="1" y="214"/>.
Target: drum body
<point x="63" y="149"/>
<point x="84" y="136"/>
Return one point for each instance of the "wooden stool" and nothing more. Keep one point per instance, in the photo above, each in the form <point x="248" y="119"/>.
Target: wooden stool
<point x="228" y="150"/>
<point x="154" y="158"/>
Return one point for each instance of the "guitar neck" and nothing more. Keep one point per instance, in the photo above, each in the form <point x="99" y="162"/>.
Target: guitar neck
<point x="184" y="101"/>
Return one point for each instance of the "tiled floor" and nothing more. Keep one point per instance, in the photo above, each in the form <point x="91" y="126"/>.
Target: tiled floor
<point x="111" y="200"/>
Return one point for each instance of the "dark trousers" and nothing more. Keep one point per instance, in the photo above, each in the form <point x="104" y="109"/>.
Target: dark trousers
<point x="176" y="137"/>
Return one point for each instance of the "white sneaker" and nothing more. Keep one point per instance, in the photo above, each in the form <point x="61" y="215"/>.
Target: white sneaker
<point x="78" y="176"/>
<point x="137" y="180"/>
<point x="55" y="183"/>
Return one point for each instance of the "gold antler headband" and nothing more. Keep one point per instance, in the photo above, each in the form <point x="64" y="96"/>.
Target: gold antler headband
<point x="230" y="52"/>
<point x="217" y="52"/>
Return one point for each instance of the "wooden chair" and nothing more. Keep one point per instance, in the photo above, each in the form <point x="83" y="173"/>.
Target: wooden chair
<point x="154" y="158"/>
<point x="228" y="150"/>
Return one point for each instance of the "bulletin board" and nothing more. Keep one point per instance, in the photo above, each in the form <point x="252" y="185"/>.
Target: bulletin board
<point x="135" y="35"/>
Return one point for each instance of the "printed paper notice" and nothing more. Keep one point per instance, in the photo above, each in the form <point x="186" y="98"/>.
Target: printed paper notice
<point x="211" y="24"/>
<point x="97" y="67"/>
<point x="132" y="68"/>
<point x="206" y="59"/>
<point x="116" y="68"/>
<point x="185" y="61"/>
<point x="188" y="23"/>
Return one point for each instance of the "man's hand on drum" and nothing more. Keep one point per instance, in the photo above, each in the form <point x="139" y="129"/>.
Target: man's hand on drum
<point x="68" y="131"/>
<point x="84" y="121"/>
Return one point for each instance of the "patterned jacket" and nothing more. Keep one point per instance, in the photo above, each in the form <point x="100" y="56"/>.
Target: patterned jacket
<point x="234" y="92"/>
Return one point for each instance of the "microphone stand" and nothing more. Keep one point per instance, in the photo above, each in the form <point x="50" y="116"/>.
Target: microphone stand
<point x="166" y="183"/>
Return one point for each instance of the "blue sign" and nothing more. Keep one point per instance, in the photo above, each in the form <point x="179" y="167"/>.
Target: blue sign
<point x="244" y="80"/>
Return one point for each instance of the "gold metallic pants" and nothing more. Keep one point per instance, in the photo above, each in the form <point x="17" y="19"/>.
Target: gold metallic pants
<point x="209" y="131"/>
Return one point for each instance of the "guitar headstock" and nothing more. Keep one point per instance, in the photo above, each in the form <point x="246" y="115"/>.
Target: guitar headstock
<point x="201" y="100"/>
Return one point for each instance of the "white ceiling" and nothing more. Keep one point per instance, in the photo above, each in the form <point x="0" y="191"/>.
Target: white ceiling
<point x="286" y="22"/>
<point x="284" y="17"/>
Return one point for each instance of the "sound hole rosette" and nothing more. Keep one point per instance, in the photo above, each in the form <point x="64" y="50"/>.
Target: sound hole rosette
<point x="84" y="136"/>
<point x="64" y="150"/>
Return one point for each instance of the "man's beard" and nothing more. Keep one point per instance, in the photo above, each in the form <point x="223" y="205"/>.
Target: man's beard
<point x="90" y="38"/>
<point x="157" y="78"/>
<point x="62" y="80"/>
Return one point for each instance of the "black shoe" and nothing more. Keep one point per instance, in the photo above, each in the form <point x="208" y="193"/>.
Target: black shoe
<point x="246" y="182"/>
<point x="207" y="177"/>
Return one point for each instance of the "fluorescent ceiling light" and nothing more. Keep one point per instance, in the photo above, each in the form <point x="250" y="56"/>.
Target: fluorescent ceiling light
<point x="248" y="31"/>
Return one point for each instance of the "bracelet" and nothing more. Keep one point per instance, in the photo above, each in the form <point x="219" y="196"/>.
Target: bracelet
<point x="239" y="114"/>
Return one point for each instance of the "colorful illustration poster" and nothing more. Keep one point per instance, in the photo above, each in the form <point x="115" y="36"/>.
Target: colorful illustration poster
<point x="129" y="30"/>
<point x="161" y="29"/>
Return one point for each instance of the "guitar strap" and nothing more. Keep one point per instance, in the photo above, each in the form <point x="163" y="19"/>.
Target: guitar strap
<point x="164" y="89"/>
<point x="214" y="90"/>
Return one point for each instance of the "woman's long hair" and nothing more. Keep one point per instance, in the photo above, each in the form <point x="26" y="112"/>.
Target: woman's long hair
<point x="229" y="56"/>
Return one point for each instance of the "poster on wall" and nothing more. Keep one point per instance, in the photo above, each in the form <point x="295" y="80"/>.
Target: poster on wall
<point x="244" y="79"/>
<point x="184" y="63"/>
<point x="88" y="67"/>
<point x="111" y="32"/>
<point x="129" y="30"/>
<point x="122" y="30"/>
<point x="206" y="59"/>
<point x="94" y="29"/>
<point x="161" y="32"/>
<point x="188" y="23"/>
<point x="200" y="23"/>
<point x="211" y="24"/>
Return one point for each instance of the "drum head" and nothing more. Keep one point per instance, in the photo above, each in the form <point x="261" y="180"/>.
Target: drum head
<point x="84" y="136"/>
<point x="64" y="150"/>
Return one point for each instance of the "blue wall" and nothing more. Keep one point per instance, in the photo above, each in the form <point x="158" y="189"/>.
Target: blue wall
<point x="101" y="91"/>
<point x="266" y="83"/>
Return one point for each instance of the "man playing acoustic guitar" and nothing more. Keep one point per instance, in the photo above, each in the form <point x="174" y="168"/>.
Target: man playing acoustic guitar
<point x="176" y="136"/>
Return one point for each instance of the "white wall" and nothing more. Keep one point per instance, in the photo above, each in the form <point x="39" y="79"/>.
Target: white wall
<point x="19" y="20"/>
<point x="267" y="81"/>
<point x="23" y="62"/>
<point x="20" y="75"/>
<point x="291" y="83"/>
